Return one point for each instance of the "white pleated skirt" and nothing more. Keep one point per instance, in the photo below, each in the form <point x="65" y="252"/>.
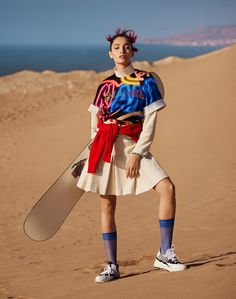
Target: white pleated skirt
<point x="110" y="178"/>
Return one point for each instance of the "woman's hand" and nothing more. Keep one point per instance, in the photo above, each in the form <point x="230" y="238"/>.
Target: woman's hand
<point x="132" y="166"/>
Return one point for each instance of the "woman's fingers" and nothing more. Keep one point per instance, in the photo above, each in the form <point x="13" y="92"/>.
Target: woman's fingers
<point x="131" y="172"/>
<point x="132" y="168"/>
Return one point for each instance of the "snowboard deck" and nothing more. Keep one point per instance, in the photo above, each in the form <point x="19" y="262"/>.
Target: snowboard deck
<point x="50" y="211"/>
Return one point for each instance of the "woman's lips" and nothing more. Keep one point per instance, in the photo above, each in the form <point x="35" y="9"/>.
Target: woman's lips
<point x="122" y="56"/>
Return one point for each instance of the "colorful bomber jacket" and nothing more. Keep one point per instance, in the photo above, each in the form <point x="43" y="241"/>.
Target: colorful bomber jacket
<point x="131" y="95"/>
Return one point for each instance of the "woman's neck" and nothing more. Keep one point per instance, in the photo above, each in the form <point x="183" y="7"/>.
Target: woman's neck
<point x="125" y="71"/>
<point x="121" y="67"/>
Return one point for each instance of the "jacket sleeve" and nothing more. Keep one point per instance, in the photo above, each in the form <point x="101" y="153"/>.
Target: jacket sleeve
<point x="147" y="135"/>
<point x="94" y="109"/>
<point x="154" y="92"/>
<point x="94" y="122"/>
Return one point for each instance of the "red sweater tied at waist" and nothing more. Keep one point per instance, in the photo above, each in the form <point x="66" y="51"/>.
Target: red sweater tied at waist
<point x="103" y="142"/>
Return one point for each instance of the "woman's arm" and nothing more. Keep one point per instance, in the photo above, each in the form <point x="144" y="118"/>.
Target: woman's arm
<point x="142" y="146"/>
<point x="94" y="119"/>
<point x="94" y="122"/>
<point x="94" y="109"/>
<point x="154" y="92"/>
<point x="147" y="135"/>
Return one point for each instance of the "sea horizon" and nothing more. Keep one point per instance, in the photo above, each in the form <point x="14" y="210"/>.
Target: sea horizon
<point x="60" y="58"/>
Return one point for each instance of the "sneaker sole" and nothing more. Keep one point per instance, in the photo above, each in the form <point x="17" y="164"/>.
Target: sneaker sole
<point x="102" y="281"/>
<point x="158" y="264"/>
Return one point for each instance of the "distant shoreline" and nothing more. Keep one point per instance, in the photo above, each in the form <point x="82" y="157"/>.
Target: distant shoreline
<point x="211" y="43"/>
<point x="86" y="57"/>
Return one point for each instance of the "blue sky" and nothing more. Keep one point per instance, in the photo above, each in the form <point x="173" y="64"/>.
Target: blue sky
<point x="78" y="22"/>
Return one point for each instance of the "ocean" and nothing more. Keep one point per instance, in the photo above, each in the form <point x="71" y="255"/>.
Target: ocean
<point x="85" y="57"/>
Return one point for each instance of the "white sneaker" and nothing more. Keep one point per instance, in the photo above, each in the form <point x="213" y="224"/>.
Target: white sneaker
<point x="169" y="261"/>
<point x="111" y="272"/>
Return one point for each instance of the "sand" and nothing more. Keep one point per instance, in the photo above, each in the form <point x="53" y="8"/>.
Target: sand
<point x="44" y="123"/>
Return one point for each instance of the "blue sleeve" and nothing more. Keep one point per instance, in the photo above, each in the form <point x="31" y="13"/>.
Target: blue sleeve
<point x="153" y="98"/>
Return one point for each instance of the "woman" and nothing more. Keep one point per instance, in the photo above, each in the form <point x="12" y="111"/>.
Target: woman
<point x="123" y="121"/>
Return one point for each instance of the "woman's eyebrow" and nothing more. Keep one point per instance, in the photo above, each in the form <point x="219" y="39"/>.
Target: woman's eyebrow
<point x="119" y="44"/>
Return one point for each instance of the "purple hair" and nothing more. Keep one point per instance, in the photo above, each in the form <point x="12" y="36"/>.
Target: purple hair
<point x="130" y="34"/>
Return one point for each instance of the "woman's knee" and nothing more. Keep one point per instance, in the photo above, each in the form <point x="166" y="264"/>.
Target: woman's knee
<point x="165" y="187"/>
<point x="108" y="204"/>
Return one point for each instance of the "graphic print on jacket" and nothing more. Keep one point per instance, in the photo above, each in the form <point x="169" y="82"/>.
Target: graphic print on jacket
<point x="126" y="96"/>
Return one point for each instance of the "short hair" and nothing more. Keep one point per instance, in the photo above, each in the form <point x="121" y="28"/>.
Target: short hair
<point x="130" y="34"/>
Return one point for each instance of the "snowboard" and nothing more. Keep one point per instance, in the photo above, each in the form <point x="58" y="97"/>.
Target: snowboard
<point x="50" y="211"/>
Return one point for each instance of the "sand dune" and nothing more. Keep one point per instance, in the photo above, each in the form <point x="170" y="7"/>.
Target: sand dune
<point x="44" y="123"/>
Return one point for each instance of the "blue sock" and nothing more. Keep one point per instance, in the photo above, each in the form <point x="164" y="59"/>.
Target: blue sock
<point x="166" y="232"/>
<point x="110" y="243"/>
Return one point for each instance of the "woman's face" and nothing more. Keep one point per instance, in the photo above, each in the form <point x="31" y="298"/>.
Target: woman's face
<point x="121" y="51"/>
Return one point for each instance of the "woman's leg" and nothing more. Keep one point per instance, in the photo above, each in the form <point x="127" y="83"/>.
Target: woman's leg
<point x="108" y="208"/>
<point x="108" y="225"/>
<point x="166" y="189"/>
<point x="167" y="207"/>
